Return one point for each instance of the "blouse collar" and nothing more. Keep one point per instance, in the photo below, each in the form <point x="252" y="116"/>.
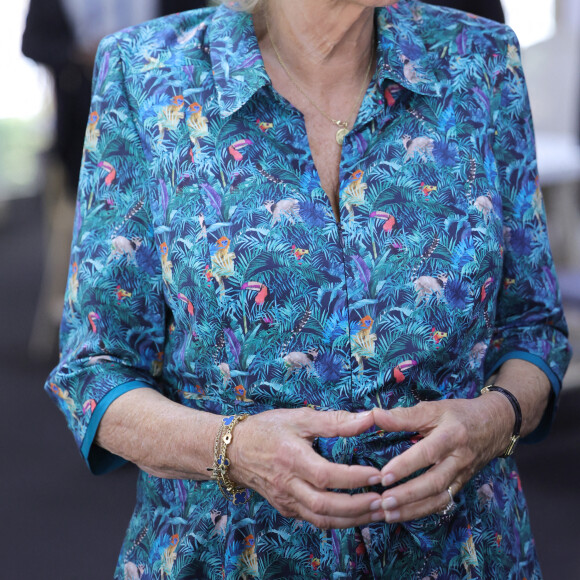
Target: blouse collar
<point x="239" y="72"/>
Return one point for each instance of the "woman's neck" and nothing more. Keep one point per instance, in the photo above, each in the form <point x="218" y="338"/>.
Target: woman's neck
<point x="325" y="44"/>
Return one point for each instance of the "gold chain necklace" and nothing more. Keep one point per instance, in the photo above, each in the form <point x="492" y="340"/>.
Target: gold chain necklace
<point x="343" y="126"/>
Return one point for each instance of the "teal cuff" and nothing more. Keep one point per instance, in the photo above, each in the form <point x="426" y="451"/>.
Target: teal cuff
<point x="542" y="430"/>
<point x="99" y="460"/>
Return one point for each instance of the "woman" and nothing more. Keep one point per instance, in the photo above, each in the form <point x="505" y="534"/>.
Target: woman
<point x="246" y="243"/>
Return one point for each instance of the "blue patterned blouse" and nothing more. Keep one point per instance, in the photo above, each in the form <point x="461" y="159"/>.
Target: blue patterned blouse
<point x="207" y="264"/>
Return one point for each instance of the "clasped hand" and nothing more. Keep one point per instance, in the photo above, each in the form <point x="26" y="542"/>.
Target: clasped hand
<point x="272" y="454"/>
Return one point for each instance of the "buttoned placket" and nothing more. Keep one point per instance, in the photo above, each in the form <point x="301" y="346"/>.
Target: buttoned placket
<point x="373" y="115"/>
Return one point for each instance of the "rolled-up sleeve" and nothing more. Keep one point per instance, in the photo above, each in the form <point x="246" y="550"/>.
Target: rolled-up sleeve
<point x="529" y="321"/>
<point x="112" y="330"/>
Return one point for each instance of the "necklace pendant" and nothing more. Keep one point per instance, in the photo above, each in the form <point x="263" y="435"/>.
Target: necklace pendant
<point x="341" y="134"/>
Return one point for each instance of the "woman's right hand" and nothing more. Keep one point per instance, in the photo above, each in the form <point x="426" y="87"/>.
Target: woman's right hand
<point x="272" y="453"/>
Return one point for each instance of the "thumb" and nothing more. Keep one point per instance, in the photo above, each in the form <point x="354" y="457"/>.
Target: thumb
<point x="341" y="423"/>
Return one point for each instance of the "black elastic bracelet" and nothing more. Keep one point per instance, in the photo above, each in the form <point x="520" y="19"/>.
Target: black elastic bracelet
<point x="517" y="411"/>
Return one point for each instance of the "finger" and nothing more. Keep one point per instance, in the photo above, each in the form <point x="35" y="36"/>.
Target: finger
<point x="432" y="483"/>
<point x="333" y="504"/>
<point x="420" y="509"/>
<point x="426" y="452"/>
<point x="324" y="474"/>
<point x="336" y="423"/>
<point x="336" y="522"/>
<point x="416" y="418"/>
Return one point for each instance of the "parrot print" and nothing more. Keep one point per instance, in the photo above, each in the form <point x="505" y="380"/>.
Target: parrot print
<point x="207" y="264"/>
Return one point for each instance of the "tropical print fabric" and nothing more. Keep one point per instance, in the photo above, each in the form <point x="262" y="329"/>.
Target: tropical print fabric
<point x="207" y="264"/>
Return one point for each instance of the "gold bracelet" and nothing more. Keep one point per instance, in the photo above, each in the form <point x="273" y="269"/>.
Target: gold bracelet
<point x="221" y="463"/>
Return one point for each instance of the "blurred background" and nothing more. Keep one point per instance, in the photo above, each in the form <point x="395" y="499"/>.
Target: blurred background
<point x="56" y="520"/>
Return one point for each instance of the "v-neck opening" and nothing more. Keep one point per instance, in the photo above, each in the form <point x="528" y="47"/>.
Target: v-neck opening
<point x="284" y="102"/>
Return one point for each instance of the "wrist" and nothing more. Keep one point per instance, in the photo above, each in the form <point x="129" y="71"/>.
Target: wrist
<point x="222" y="460"/>
<point x="531" y="387"/>
<point x="237" y="452"/>
<point x="510" y="419"/>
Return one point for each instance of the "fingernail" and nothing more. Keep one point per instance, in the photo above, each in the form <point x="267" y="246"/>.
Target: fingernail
<point x="388" y="479"/>
<point x="377" y="516"/>
<point x="375" y="505"/>
<point x="392" y="516"/>
<point x="375" y="480"/>
<point x="389" y="503"/>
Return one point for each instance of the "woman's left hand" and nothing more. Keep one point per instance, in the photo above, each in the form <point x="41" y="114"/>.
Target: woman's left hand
<point x="459" y="437"/>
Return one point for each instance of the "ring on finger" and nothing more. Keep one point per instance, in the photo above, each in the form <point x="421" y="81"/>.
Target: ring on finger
<point x="451" y="505"/>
